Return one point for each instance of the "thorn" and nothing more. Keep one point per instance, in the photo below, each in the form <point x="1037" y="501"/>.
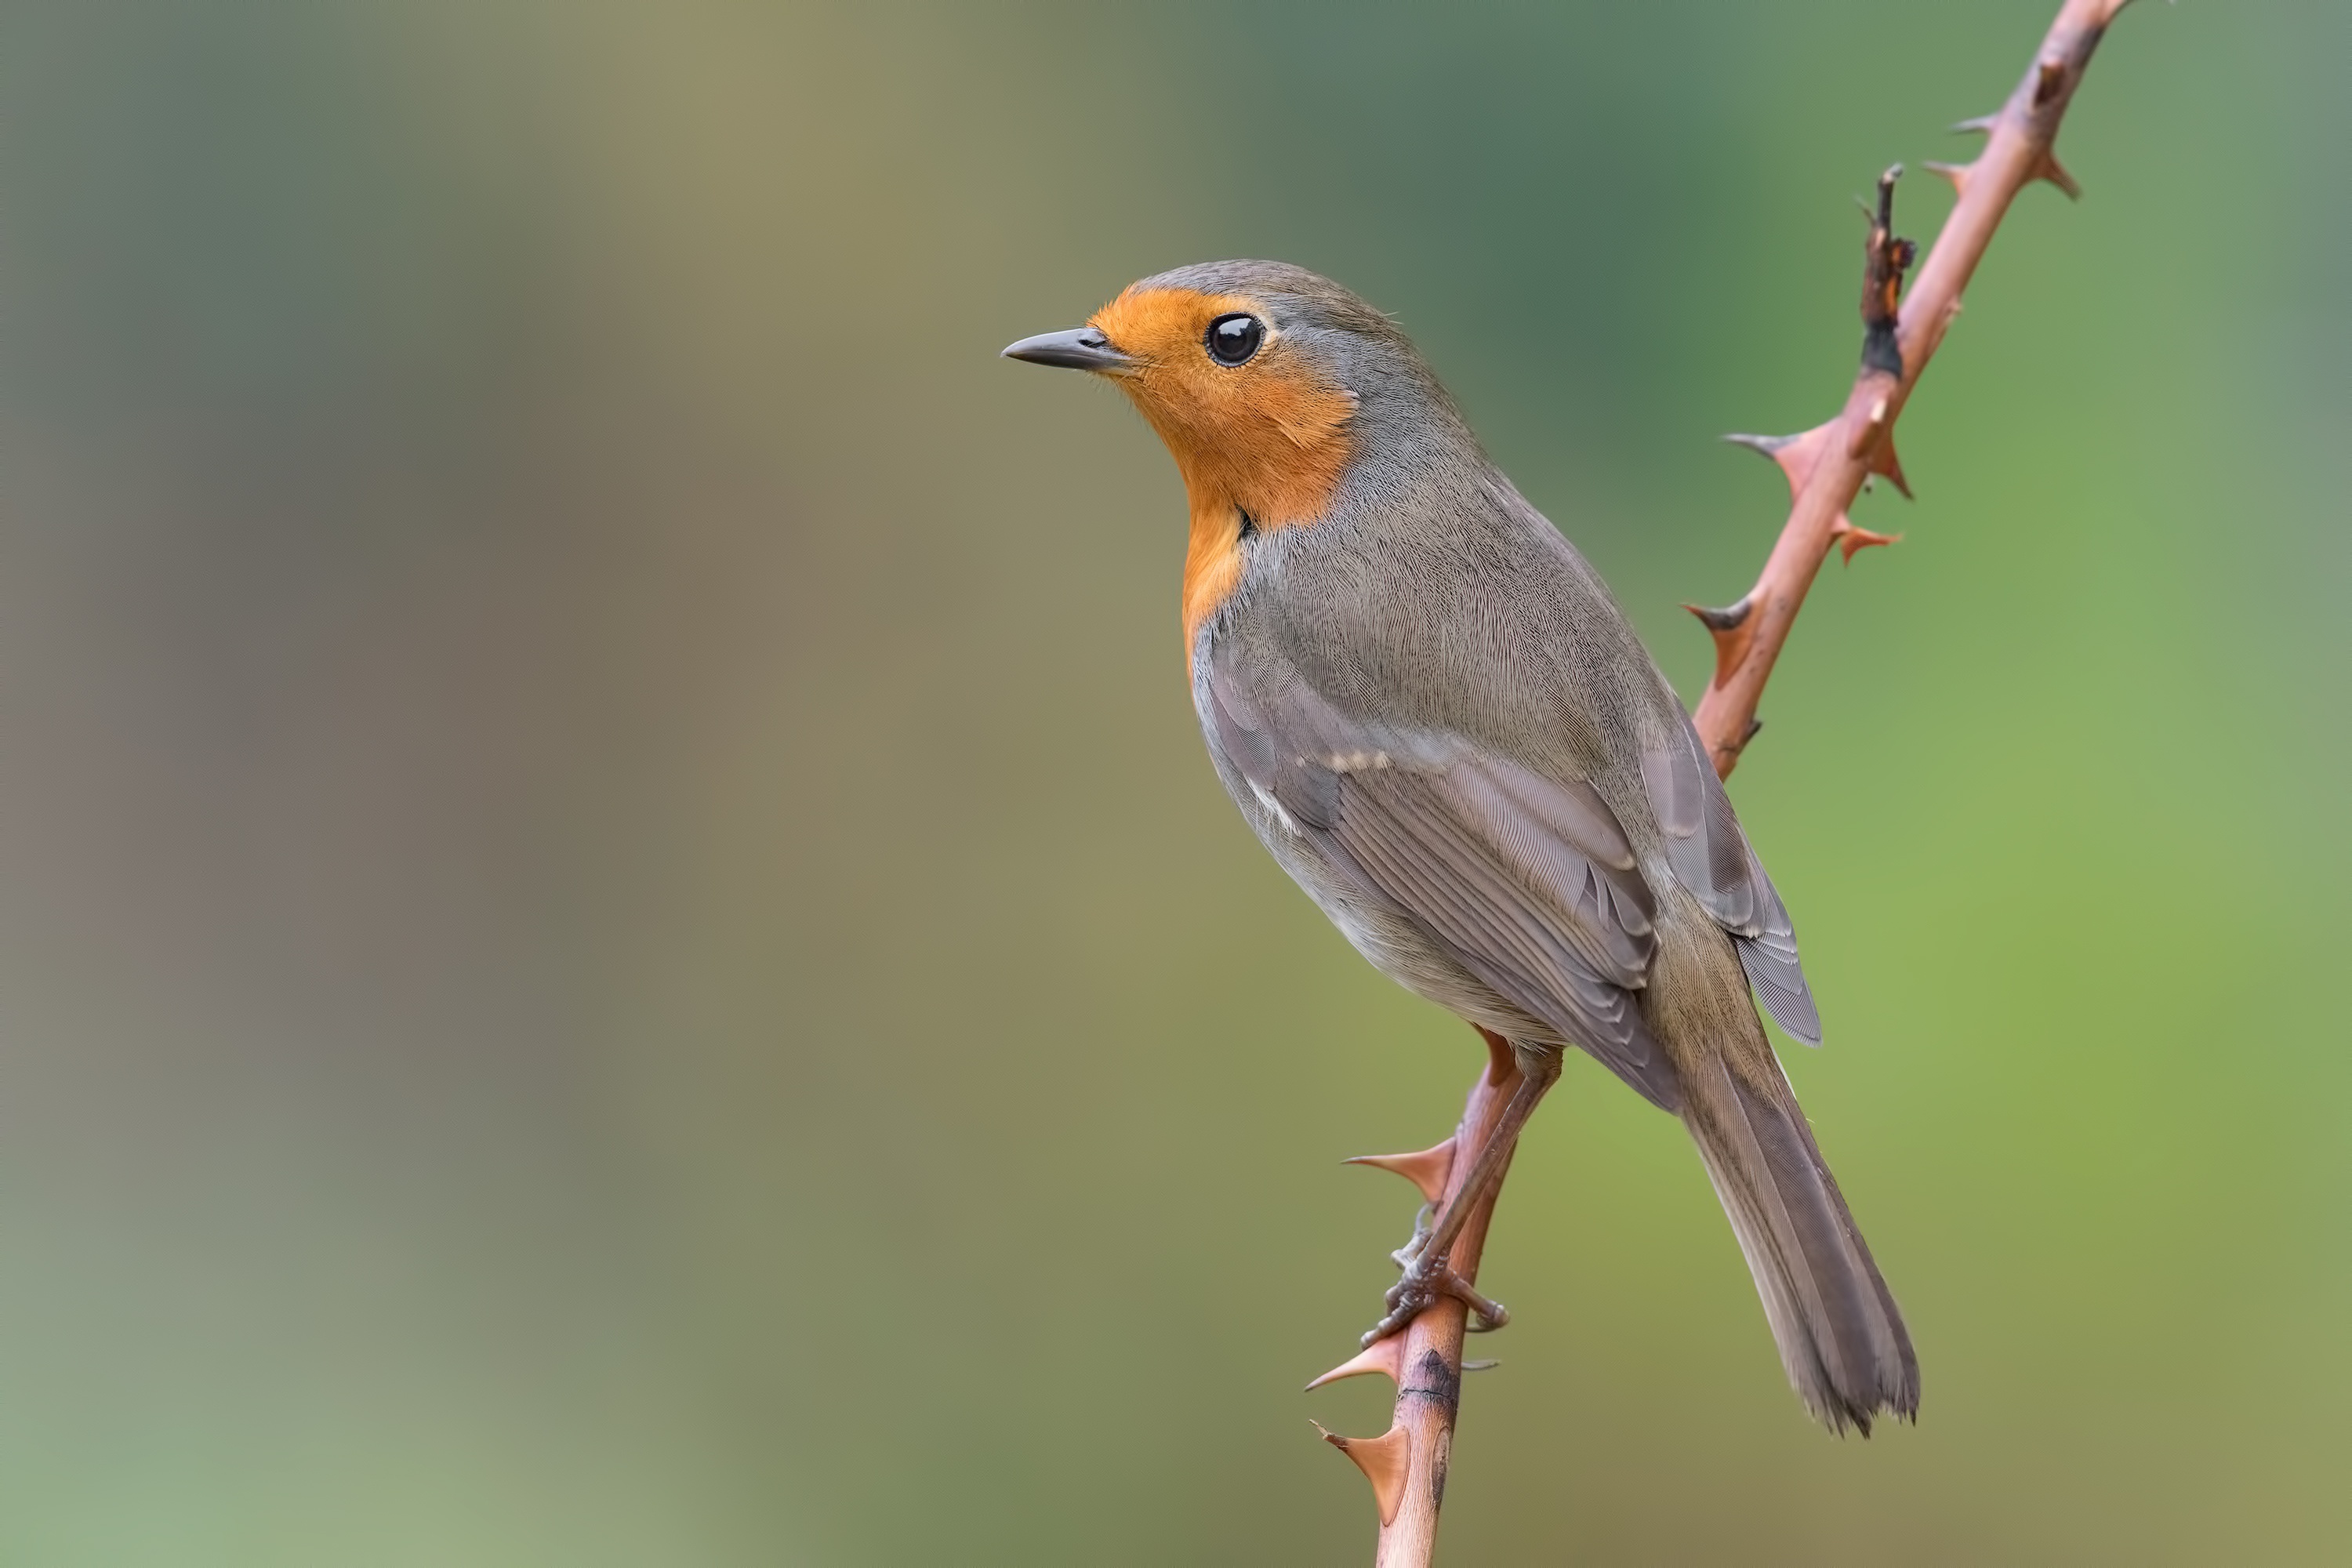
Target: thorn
<point x="1728" y="627"/>
<point x="1489" y="1364"/>
<point x="1729" y="749"/>
<point x="1980" y="126"/>
<point x="1384" y="1356"/>
<point x="1956" y="172"/>
<point x="1732" y="749"/>
<point x="1426" y="1170"/>
<point x="1884" y="461"/>
<point x="1726" y="619"/>
<point x="2051" y="78"/>
<point x="1851" y="538"/>
<point x="1383" y="1459"/>
<point x="1796" y="454"/>
<point x="2055" y="173"/>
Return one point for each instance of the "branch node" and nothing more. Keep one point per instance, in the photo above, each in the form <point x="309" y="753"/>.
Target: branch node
<point x="1384" y="1460"/>
<point x="2049" y="81"/>
<point x="1885" y="259"/>
<point x="1426" y="1169"/>
<point x="1874" y="429"/>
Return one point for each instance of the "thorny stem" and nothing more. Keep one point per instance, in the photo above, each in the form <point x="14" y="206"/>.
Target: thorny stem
<point x="1407" y="1464"/>
<point x="1826" y="468"/>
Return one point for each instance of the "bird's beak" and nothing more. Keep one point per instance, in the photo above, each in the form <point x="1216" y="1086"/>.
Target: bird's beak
<point x="1080" y="348"/>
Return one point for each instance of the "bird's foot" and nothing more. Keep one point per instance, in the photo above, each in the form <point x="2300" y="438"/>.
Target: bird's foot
<point x="1426" y="1282"/>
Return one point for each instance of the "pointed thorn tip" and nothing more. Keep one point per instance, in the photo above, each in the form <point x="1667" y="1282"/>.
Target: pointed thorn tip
<point x="1853" y="539"/>
<point x="1385" y="1357"/>
<point x="1727" y="619"/>
<point x="1384" y="1459"/>
<point x="1885" y="462"/>
<point x="1796" y="455"/>
<point x="1426" y="1169"/>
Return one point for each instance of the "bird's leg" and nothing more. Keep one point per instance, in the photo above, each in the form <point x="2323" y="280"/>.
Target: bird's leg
<point x="1428" y="1275"/>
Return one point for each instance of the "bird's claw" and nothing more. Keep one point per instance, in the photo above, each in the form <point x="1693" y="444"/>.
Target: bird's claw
<point x="1426" y="1282"/>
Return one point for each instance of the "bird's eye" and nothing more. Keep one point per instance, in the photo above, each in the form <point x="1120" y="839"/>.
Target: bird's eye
<point x="1233" y="339"/>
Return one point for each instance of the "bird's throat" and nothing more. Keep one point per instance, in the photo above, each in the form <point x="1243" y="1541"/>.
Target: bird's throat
<point x="1213" y="560"/>
<point x="1275" y="472"/>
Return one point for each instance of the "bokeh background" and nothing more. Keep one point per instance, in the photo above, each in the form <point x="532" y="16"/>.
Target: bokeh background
<point x="617" y="946"/>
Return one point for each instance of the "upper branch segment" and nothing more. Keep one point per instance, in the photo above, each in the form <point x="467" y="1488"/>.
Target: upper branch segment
<point x="1827" y="466"/>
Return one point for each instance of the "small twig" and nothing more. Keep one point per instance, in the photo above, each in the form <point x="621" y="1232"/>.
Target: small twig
<point x="1826" y="468"/>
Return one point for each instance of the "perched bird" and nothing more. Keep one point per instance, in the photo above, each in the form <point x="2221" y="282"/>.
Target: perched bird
<point x="1435" y="715"/>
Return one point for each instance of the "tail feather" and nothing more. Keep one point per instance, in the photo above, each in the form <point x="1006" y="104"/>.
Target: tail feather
<point x="1840" y="1336"/>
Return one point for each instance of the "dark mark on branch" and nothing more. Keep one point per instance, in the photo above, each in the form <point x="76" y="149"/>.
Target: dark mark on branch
<point x="1886" y="259"/>
<point x="1436" y="1380"/>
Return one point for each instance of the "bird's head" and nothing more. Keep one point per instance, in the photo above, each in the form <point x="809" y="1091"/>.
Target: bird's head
<point x="1276" y="391"/>
<point x="1265" y="380"/>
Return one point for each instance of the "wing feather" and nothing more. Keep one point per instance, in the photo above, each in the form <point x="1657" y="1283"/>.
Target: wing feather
<point x="1711" y="856"/>
<point x="1526" y="882"/>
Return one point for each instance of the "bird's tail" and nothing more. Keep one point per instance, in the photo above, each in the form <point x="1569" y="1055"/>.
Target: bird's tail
<point x="1842" y="1338"/>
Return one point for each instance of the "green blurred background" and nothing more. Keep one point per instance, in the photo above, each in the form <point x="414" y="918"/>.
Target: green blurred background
<point x="617" y="946"/>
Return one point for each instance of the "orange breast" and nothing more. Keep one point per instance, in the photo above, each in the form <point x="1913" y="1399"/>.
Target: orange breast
<point x="1268" y="437"/>
<point x="1212" y="564"/>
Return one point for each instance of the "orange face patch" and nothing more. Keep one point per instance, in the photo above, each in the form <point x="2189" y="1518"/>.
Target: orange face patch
<point x="1267" y="437"/>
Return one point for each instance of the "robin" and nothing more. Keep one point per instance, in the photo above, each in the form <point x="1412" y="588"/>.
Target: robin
<point x="1436" y="716"/>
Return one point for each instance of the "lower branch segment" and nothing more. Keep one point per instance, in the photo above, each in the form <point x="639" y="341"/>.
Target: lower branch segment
<point x="1406" y="1465"/>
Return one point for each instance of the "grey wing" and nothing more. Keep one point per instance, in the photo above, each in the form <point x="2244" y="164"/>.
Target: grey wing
<point x="1528" y="883"/>
<point x="1711" y="856"/>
